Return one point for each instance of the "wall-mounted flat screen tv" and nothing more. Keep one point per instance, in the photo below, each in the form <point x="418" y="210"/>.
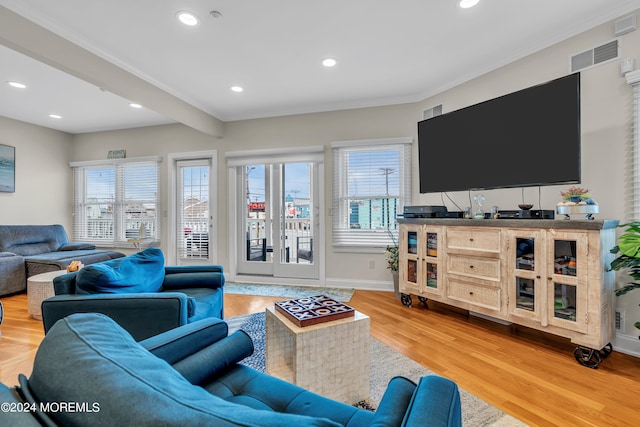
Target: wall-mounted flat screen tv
<point x="527" y="138"/>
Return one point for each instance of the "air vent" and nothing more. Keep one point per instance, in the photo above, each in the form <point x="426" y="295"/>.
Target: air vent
<point x="619" y="320"/>
<point x="432" y="112"/>
<point x="625" y="25"/>
<point x="592" y="57"/>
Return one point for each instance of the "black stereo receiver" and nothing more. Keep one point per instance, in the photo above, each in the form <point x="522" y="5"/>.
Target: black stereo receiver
<point x="527" y="214"/>
<point x="426" y="211"/>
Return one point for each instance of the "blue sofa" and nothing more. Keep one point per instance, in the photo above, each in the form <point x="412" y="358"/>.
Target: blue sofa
<point x="27" y="250"/>
<point x="190" y="376"/>
<point x="140" y="293"/>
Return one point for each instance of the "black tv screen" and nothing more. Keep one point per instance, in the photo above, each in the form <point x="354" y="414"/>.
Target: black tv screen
<point x="526" y="138"/>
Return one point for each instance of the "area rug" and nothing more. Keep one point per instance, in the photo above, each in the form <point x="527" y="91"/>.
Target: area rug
<point x="286" y="291"/>
<point x="385" y="364"/>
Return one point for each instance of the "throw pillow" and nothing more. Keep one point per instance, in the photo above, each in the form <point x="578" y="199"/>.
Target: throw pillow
<point x="140" y="272"/>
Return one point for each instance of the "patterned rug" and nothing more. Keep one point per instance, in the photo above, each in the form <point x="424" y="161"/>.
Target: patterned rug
<point x="286" y="291"/>
<point x="385" y="364"/>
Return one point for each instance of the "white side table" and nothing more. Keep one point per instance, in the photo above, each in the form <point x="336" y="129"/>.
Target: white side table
<point x="39" y="288"/>
<point x="331" y="358"/>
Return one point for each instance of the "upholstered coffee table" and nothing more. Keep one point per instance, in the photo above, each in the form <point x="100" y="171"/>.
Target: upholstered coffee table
<point x="331" y="358"/>
<point x="39" y="288"/>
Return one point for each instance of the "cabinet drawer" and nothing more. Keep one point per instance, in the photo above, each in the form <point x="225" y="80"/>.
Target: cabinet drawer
<point x="467" y="239"/>
<point x="482" y="268"/>
<point x="479" y="295"/>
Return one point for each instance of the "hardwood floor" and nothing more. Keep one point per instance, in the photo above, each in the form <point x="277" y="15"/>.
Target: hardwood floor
<point x="528" y="374"/>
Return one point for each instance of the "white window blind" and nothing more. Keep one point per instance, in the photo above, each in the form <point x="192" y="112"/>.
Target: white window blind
<point x="116" y="200"/>
<point x="632" y="192"/>
<point x="371" y="185"/>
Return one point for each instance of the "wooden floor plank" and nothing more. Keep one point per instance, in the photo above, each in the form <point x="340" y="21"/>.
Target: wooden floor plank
<point x="528" y="374"/>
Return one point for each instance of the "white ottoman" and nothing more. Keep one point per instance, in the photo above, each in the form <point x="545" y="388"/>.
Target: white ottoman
<point x="39" y="288"/>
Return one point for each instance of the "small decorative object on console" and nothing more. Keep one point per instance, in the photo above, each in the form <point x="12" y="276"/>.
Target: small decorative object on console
<point x="577" y="201"/>
<point x="575" y="194"/>
<point x="313" y="310"/>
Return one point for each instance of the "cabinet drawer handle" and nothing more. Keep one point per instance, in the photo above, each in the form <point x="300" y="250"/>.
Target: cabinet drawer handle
<point x="471" y="266"/>
<point x="470" y="293"/>
<point x="471" y="239"/>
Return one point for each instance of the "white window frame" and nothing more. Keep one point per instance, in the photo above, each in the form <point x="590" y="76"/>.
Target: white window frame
<point x="346" y="239"/>
<point x="81" y="202"/>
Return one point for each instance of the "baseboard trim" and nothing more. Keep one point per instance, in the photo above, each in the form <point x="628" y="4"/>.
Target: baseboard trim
<point x="627" y="344"/>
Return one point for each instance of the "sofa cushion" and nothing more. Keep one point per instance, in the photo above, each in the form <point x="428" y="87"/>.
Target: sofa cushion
<point x="140" y="272"/>
<point x="88" y="359"/>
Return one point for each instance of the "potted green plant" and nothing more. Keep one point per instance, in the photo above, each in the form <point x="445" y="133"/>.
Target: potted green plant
<point x="391" y="255"/>
<point x="628" y="248"/>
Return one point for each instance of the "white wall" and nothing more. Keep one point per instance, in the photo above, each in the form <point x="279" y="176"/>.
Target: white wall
<point x="43" y="177"/>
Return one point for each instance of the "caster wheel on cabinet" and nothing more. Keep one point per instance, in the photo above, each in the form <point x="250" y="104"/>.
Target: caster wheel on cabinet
<point x="406" y="300"/>
<point x="606" y="351"/>
<point x="587" y="357"/>
<point x="423" y="300"/>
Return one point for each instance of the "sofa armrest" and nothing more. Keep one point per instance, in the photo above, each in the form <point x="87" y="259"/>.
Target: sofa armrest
<point x="173" y="269"/>
<point x="185" y="277"/>
<point x="219" y="357"/>
<point x="176" y="344"/>
<point x="76" y="246"/>
<point x="394" y="403"/>
<point x="435" y="402"/>
<point x="142" y="315"/>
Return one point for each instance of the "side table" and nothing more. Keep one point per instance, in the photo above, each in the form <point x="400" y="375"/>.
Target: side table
<point x="39" y="288"/>
<point x="331" y="358"/>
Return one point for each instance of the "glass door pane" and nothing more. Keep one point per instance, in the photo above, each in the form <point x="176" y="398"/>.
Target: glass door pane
<point x="258" y="238"/>
<point x="193" y="216"/>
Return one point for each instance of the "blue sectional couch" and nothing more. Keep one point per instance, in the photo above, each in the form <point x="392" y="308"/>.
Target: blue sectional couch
<point x="140" y="293"/>
<point x="27" y="250"/>
<point x="190" y="376"/>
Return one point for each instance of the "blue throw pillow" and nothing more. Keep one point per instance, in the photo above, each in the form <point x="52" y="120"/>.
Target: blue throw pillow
<point x="140" y="272"/>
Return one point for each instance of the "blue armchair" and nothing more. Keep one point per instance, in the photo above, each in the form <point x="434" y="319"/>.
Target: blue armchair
<point x="139" y="293"/>
<point x="191" y="376"/>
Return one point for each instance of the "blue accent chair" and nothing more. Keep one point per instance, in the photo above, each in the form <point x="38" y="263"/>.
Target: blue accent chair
<point x="190" y="376"/>
<point x="139" y="293"/>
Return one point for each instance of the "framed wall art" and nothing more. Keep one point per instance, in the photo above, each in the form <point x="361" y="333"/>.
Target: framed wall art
<point x="7" y="169"/>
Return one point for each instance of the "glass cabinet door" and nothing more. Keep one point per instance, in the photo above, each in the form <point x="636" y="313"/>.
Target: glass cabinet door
<point x="432" y="280"/>
<point x="409" y="258"/>
<point x="567" y="299"/>
<point x="525" y="260"/>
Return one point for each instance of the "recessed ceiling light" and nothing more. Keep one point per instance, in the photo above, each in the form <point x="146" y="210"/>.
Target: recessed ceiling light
<point x="237" y="88"/>
<point x="134" y="105"/>
<point x="466" y="4"/>
<point x="329" y="62"/>
<point x="187" y="18"/>
<point x="17" y="85"/>
<point x="55" y="116"/>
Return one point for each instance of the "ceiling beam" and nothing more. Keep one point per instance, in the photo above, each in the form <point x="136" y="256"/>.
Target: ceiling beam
<point x="26" y="37"/>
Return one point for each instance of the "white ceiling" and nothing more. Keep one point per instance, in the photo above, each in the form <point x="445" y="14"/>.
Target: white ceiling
<point x="388" y="52"/>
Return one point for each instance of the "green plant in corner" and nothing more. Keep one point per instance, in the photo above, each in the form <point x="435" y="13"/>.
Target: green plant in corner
<point x="391" y="254"/>
<point x="629" y="249"/>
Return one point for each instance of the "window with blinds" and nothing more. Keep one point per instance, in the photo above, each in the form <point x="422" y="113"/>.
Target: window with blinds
<point x="371" y="185"/>
<point x="632" y="193"/>
<point x="116" y="201"/>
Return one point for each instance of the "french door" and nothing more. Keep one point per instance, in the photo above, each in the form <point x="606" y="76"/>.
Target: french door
<point x="279" y="206"/>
